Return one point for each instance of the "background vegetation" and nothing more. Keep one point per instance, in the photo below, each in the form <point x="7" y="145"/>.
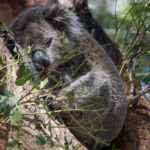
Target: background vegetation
<point x="129" y="27"/>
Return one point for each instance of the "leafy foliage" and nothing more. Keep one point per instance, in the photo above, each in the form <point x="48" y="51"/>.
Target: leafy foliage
<point x="148" y="140"/>
<point x="12" y="144"/>
<point x="20" y="134"/>
<point x="1" y="62"/>
<point x="130" y="29"/>
<point x="16" y="116"/>
<point x="40" y="140"/>
<point x="6" y="101"/>
<point x="23" y="76"/>
<point x="71" y="97"/>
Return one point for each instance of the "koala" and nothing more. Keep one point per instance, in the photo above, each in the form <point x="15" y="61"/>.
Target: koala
<point x="86" y="80"/>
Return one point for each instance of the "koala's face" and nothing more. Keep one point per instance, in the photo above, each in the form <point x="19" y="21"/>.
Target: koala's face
<point x="44" y="42"/>
<point x="42" y="28"/>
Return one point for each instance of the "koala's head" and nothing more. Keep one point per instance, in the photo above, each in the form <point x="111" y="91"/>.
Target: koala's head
<point x="42" y="27"/>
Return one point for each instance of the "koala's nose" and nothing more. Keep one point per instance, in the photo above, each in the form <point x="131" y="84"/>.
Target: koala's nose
<point x="40" y="59"/>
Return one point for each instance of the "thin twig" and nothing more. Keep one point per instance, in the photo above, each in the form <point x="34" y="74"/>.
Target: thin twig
<point x="141" y="93"/>
<point x="132" y="89"/>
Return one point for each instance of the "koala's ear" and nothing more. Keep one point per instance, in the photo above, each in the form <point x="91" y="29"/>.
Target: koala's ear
<point x="61" y="18"/>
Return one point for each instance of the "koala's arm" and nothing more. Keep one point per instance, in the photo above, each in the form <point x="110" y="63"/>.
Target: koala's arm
<point x="91" y="89"/>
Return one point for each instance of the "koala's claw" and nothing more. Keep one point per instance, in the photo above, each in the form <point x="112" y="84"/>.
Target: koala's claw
<point x="52" y="105"/>
<point x="45" y="96"/>
<point x="11" y="46"/>
<point x="10" y="43"/>
<point x="3" y="34"/>
<point x="3" y="31"/>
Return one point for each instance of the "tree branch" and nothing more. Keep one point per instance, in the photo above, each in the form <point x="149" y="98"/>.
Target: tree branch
<point x="141" y="93"/>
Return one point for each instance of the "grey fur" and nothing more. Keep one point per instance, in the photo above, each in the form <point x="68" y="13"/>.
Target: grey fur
<point x="96" y="86"/>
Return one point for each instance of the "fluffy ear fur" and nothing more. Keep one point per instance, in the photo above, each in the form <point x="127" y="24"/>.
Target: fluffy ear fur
<point x="61" y="18"/>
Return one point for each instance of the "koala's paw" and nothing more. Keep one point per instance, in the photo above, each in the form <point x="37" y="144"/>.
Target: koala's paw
<point x="46" y="96"/>
<point x="52" y="105"/>
<point x="3" y="34"/>
<point x="10" y="42"/>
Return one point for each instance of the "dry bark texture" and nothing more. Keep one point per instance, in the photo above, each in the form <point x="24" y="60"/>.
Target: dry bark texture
<point x="137" y="127"/>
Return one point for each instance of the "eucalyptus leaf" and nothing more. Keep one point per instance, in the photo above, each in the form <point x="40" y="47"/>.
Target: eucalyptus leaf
<point x="13" y="100"/>
<point x="1" y="61"/>
<point x="7" y="92"/>
<point x="22" y="81"/>
<point x="23" y="76"/>
<point x="12" y="144"/>
<point x="133" y="51"/>
<point x="52" y="77"/>
<point x="148" y="27"/>
<point x="43" y="83"/>
<point x="148" y="140"/>
<point x="40" y="140"/>
<point x="37" y="87"/>
<point x="20" y="134"/>
<point x="16" y="116"/>
<point x="7" y="111"/>
<point x="71" y="97"/>
<point x="3" y="103"/>
<point x="15" y="50"/>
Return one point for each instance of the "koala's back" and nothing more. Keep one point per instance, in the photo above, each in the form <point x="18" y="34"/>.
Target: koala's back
<point x="103" y="87"/>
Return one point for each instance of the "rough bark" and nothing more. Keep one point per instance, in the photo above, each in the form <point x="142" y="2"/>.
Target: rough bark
<point x="137" y="127"/>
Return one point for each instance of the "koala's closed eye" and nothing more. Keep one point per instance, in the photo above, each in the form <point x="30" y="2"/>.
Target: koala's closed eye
<point x="48" y="42"/>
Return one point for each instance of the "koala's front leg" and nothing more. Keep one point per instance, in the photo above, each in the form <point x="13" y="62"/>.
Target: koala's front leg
<point x="90" y="91"/>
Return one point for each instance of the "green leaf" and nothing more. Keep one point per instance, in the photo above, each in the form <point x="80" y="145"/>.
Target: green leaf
<point x="3" y="103"/>
<point x="15" y="50"/>
<point x="129" y="65"/>
<point x="43" y="83"/>
<point x="23" y="76"/>
<point x="147" y="56"/>
<point x="1" y="62"/>
<point x="12" y="144"/>
<point x="52" y="77"/>
<point x="133" y="51"/>
<point x="92" y="33"/>
<point x="13" y="100"/>
<point x="148" y="27"/>
<point x="20" y="134"/>
<point x="71" y="97"/>
<point x="145" y="79"/>
<point x="7" y="111"/>
<point x="16" y="116"/>
<point x="37" y="101"/>
<point x="66" y="144"/>
<point x="37" y="87"/>
<point x="22" y="81"/>
<point x="7" y="92"/>
<point x="22" y="71"/>
<point x="39" y="140"/>
<point x="148" y="140"/>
